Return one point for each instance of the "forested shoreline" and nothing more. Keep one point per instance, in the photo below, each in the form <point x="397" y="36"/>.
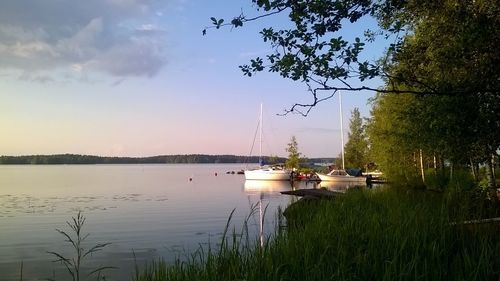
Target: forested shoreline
<point x="160" y="159"/>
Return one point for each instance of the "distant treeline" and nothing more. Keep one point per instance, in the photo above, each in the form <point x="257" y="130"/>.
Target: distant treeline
<point x="162" y="159"/>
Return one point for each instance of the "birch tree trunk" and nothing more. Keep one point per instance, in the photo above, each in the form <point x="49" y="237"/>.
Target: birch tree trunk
<point x="451" y="170"/>
<point x="490" y="175"/>
<point x="422" y="166"/>
<point x="474" y="171"/>
<point x="435" y="163"/>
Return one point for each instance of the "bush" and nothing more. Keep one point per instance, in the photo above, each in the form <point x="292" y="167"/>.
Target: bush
<point x="462" y="180"/>
<point x="437" y="180"/>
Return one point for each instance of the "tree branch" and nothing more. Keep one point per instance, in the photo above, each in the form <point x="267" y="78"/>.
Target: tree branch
<point x="242" y="19"/>
<point x="296" y="108"/>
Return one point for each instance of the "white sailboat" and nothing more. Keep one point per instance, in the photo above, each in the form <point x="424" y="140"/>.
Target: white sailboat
<point x="266" y="172"/>
<point x="341" y="175"/>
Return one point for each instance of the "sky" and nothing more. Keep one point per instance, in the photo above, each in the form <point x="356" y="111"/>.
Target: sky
<point x="137" y="78"/>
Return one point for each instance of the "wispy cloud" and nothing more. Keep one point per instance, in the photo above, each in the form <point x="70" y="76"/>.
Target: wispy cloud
<point x="117" y="82"/>
<point x="114" y="37"/>
<point x="251" y="54"/>
<point x="43" y="79"/>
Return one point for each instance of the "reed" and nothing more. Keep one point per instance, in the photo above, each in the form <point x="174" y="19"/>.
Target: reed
<point x="389" y="234"/>
<point x="74" y="264"/>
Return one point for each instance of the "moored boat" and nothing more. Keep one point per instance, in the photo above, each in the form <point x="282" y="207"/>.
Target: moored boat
<point x="268" y="173"/>
<point x="341" y="176"/>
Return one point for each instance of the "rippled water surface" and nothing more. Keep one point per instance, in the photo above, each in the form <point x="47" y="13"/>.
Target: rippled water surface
<point x="153" y="211"/>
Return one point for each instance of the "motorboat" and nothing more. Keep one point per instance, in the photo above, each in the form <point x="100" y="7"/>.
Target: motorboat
<point x="341" y="176"/>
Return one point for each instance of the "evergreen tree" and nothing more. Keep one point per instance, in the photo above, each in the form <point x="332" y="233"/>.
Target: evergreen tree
<point x="356" y="148"/>
<point x="293" y="160"/>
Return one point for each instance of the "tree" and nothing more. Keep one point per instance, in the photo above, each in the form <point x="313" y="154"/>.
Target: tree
<point x="273" y="159"/>
<point x="409" y="133"/>
<point x="452" y="49"/>
<point x="356" y="148"/>
<point x="293" y="160"/>
<point x="390" y="132"/>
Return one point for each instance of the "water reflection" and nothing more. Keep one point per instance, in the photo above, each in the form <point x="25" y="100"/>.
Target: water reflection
<point x="264" y="191"/>
<point x="267" y="188"/>
<point x="339" y="186"/>
<point x="273" y="188"/>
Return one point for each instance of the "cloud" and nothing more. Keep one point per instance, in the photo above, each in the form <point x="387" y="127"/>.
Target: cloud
<point x="43" y="79"/>
<point x="138" y="59"/>
<point x="118" y="38"/>
<point x="251" y="54"/>
<point x="117" y="82"/>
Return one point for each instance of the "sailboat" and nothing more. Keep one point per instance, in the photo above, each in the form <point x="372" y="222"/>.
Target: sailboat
<point x="341" y="175"/>
<point x="266" y="172"/>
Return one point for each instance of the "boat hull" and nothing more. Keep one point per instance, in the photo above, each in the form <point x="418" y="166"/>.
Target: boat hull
<point x="341" y="178"/>
<point x="270" y="175"/>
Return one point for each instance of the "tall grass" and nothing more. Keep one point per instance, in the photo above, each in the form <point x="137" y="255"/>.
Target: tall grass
<point x="366" y="235"/>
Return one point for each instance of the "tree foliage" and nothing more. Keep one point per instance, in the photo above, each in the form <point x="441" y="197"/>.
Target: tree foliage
<point x="462" y="35"/>
<point x="391" y="134"/>
<point x="452" y="47"/>
<point x="292" y="148"/>
<point x="356" y="148"/>
<point x="451" y="50"/>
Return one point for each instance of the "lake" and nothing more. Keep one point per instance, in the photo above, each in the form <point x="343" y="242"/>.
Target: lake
<point x="146" y="212"/>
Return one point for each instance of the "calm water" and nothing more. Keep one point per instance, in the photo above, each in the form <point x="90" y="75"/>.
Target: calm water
<point x="154" y="211"/>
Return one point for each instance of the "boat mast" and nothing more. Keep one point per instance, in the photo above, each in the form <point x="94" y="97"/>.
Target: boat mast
<point x="341" y="131"/>
<point x="260" y="143"/>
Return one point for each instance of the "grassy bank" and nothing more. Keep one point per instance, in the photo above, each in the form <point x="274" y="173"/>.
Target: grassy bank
<point x="365" y="235"/>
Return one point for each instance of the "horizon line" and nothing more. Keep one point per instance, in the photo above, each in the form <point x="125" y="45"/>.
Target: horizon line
<point x="150" y="156"/>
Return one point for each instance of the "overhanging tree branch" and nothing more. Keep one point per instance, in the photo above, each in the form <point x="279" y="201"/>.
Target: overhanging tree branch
<point x="312" y="48"/>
